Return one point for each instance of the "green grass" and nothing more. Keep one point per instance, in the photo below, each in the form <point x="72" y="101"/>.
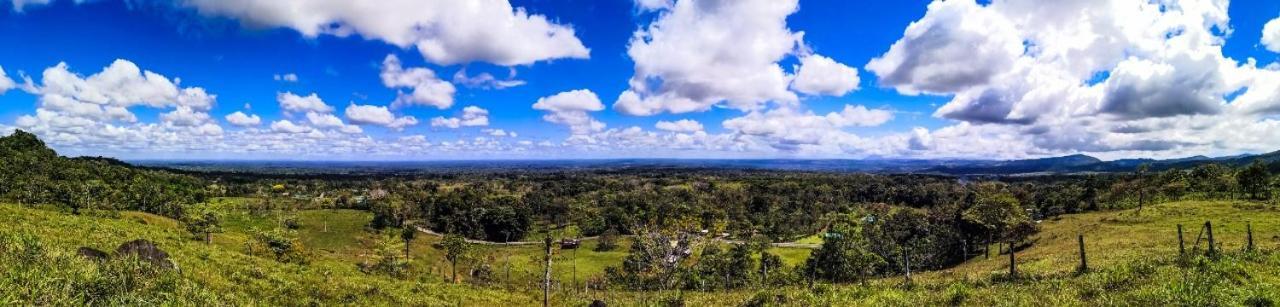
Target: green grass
<point x="1133" y="258"/>
<point x="217" y="274"/>
<point x="812" y="239"/>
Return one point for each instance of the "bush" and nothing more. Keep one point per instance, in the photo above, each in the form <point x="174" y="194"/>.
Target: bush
<point x="608" y="241"/>
<point x="292" y="222"/>
<point x="282" y="244"/>
<point x="388" y="259"/>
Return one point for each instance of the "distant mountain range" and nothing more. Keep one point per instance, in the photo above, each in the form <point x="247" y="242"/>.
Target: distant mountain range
<point x="1056" y="165"/>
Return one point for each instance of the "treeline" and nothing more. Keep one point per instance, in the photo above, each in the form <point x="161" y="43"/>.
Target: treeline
<point x="31" y="173"/>
<point x="779" y="205"/>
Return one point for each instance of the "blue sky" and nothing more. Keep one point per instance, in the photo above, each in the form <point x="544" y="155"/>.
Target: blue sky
<point x="239" y="56"/>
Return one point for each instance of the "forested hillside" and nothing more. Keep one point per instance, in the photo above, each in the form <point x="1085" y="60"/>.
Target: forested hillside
<point x="31" y="173"/>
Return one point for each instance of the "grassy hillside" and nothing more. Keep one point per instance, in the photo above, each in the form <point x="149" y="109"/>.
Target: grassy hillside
<point x="38" y="249"/>
<point x="1133" y="257"/>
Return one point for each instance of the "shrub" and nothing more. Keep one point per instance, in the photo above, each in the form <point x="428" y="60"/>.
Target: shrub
<point x="282" y="244"/>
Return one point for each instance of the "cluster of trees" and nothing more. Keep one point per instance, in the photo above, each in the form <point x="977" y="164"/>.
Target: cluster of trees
<point x="31" y="173"/>
<point x="872" y="240"/>
<point x="780" y="205"/>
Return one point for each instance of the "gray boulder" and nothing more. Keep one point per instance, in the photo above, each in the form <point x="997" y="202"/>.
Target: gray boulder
<point x="145" y="251"/>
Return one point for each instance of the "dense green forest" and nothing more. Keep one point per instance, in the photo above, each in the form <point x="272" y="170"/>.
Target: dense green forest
<point x="690" y="229"/>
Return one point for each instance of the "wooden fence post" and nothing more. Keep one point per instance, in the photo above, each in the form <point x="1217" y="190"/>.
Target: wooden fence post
<point x="1182" y="249"/>
<point x="1249" y="235"/>
<point x="1209" y="229"/>
<point x="1013" y="267"/>
<point x="906" y="264"/>
<point x="1084" y="262"/>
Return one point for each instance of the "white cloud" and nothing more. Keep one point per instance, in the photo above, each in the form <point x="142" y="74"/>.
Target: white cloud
<point x="788" y="127"/>
<point x="6" y="84"/>
<point x="819" y="75"/>
<point x="683" y="125"/>
<point x="958" y="44"/>
<point x="472" y="116"/>
<point x="426" y="88"/>
<point x="311" y="103"/>
<point x="486" y="80"/>
<point x="700" y="54"/>
<point x="378" y="115"/>
<point x="500" y="133"/>
<point x="289" y="77"/>
<point x="91" y="114"/>
<point x="21" y="5"/>
<point x="243" y="120"/>
<point x="1271" y="35"/>
<point x="1102" y="77"/>
<point x="324" y="120"/>
<point x="570" y="109"/>
<point x="185" y="117"/>
<point x="121" y="84"/>
<point x="445" y="32"/>
<point x="286" y="126"/>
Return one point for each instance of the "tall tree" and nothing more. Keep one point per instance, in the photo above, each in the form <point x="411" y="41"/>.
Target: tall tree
<point x="455" y="248"/>
<point x="845" y="255"/>
<point x="203" y="222"/>
<point x="1253" y="179"/>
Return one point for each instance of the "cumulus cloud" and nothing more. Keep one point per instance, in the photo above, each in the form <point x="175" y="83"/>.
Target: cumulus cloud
<point x="324" y="120"/>
<point x="184" y="116"/>
<point x="243" y="120"/>
<point x="286" y="126"/>
<point x="957" y="45"/>
<point x="700" y="54"/>
<point x="790" y="127"/>
<point x="819" y="75"/>
<point x="445" y="32"/>
<point x="92" y="113"/>
<point x="683" y="125"/>
<point x="485" y="80"/>
<point x="21" y="5"/>
<point x="497" y="133"/>
<point x="1144" y="88"/>
<point x="472" y="116"/>
<point x="1271" y="35"/>
<point x="6" y="84"/>
<point x="121" y="84"/>
<point x="378" y="115"/>
<point x="1061" y="77"/>
<point x="570" y="109"/>
<point x="425" y="88"/>
<point x="311" y="103"/>
<point x="289" y="77"/>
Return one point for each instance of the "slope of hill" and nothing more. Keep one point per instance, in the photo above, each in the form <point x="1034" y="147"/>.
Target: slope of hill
<point x="1133" y="261"/>
<point x="38" y="249"/>
<point x="31" y="173"/>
